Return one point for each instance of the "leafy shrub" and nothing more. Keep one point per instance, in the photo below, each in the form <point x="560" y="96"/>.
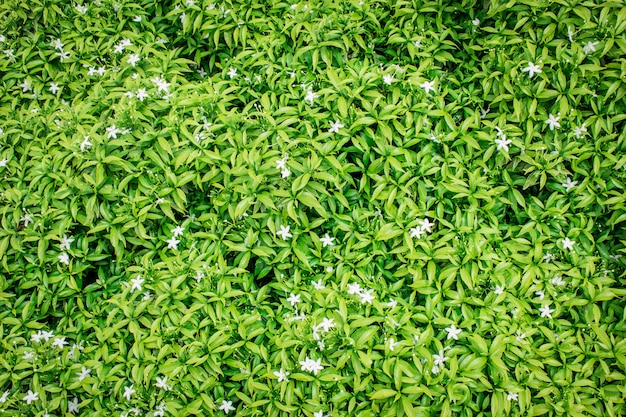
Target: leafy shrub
<point x="344" y="208"/>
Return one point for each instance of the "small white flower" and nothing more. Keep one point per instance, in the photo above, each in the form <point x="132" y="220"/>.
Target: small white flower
<point x="416" y="232"/>
<point x="532" y="69"/>
<point x="136" y="283"/>
<point x="232" y="73"/>
<point x="388" y="79"/>
<point x="63" y="55"/>
<point x="178" y="231"/>
<point x="327" y="240"/>
<point x="392" y="303"/>
<point x="162" y="383"/>
<point x="282" y="375"/>
<point x="281" y="163"/>
<point x="548" y="257"/>
<point x="294" y="299"/>
<point x="133" y="410"/>
<point x="392" y="344"/>
<point x="59" y="342"/>
<point x="141" y="94"/>
<point x="133" y="59"/>
<point x="453" y="332"/>
<point x="475" y="22"/>
<point x="85" y="144"/>
<point x="335" y="126"/>
<point x="284" y="232"/>
<point x="511" y="396"/>
<point x="569" y="184"/>
<point x="57" y="44"/>
<point x="4" y="397"/>
<point x="503" y="143"/>
<point x="327" y="324"/>
<point x="227" y="406"/>
<point x="199" y="276"/>
<point x="568" y="244"/>
<point x="557" y="281"/>
<point x="319" y="285"/>
<point x="310" y="365"/>
<point x="28" y="355"/>
<point x="64" y="258"/>
<point x="426" y="225"/>
<point x="553" y="121"/>
<point x="84" y="373"/>
<point x="162" y="84"/>
<point x="546" y="311"/>
<point x="298" y="317"/>
<point x="54" y="88"/>
<point x="112" y="132"/>
<point x="367" y="296"/>
<point x="499" y="289"/>
<point x="137" y="19"/>
<point x="26" y="86"/>
<point x="570" y="34"/>
<point x="173" y="243"/>
<point x="72" y="406"/>
<point x="540" y="294"/>
<point x="354" y="288"/>
<point x="26" y="218"/>
<point x="160" y="410"/>
<point x="428" y="86"/>
<point x="579" y="131"/>
<point x="310" y="96"/>
<point x="30" y="397"/>
<point x="128" y="392"/>
<point x="65" y="242"/>
<point x="590" y="47"/>
<point x="440" y="359"/>
<point x="199" y="137"/>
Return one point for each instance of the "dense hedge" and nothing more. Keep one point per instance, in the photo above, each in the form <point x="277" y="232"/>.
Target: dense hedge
<point x="336" y="208"/>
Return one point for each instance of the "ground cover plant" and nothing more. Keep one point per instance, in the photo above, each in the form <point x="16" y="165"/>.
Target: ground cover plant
<point x="374" y="208"/>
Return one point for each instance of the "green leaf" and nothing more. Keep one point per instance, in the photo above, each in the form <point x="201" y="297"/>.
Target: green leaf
<point x="382" y="394"/>
<point x="388" y="231"/>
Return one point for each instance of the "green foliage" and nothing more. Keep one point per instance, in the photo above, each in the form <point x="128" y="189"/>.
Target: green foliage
<point x="336" y="208"/>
